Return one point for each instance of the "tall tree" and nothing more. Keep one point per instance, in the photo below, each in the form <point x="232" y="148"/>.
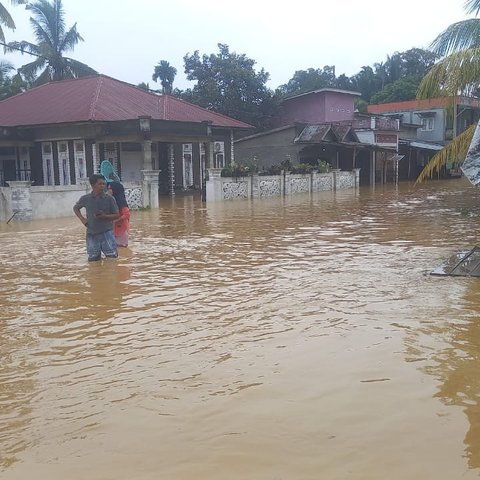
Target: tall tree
<point x="144" y="86"/>
<point x="458" y="71"/>
<point x="6" y="19"/>
<point x="417" y="61"/>
<point x="228" y="83"/>
<point x="166" y="74"/>
<point x="404" y="88"/>
<point x="393" y="66"/>
<point x="381" y="73"/>
<point x="53" y="40"/>
<point x="308" y="80"/>
<point x="365" y="82"/>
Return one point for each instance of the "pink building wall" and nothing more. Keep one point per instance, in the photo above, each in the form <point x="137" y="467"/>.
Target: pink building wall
<point x="322" y="107"/>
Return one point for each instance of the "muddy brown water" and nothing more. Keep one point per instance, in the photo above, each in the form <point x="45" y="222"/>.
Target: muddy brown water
<point x="289" y="338"/>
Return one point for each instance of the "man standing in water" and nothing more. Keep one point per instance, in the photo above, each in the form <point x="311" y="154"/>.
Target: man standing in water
<point x="101" y="210"/>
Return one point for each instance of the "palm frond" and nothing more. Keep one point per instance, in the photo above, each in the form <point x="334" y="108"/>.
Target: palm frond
<point x="6" y="20"/>
<point x="48" y="21"/>
<point x="44" y="77"/>
<point x="41" y="32"/>
<point x="29" y="70"/>
<point x="5" y="68"/>
<point x="70" y="39"/>
<point x="472" y="6"/>
<point x="451" y="75"/>
<point x="23" y="47"/>
<point x="78" y="69"/>
<point x="458" y="36"/>
<point x="454" y="152"/>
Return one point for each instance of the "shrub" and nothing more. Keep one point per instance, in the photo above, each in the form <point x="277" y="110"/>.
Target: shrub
<point x="238" y="170"/>
<point x="302" y="168"/>
<point x="323" y="166"/>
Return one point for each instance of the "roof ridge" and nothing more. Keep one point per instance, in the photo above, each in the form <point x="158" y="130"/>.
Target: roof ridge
<point x="93" y="105"/>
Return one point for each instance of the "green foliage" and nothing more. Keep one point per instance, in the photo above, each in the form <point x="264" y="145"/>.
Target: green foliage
<point x="303" y="168"/>
<point x="228" y="83"/>
<point x="369" y="81"/>
<point x="6" y="19"/>
<point x="308" y="80"/>
<point x="166" y="74"/>
<point x="361" y="105"/>
<point x="403" y="89"/>
<point x="272" y="170"/>
<point x="9" y="84"/>
<point x="53" y="40"/>
<point x="239" y="169"/>
<point x="323" y="166"/>
<point x="144" y="86"/>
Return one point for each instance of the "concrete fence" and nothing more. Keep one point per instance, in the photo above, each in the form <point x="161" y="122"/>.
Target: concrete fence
<point x="22" y="201"/>
<point x="257" y="186"/>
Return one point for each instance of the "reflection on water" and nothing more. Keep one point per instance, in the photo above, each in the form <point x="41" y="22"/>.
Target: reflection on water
<point x="296" y="337"/>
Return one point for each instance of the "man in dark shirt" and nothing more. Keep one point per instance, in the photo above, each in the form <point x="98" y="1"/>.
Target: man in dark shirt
<point x="101" y="210"/>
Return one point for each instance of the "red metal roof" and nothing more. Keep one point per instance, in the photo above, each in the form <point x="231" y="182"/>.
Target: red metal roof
<point x="100" y="98"/>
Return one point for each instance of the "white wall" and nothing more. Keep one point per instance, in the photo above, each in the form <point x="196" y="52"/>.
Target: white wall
<point x="5" y="203"/>
<point x="54" y="202"/>
<point x="132" y="164"/>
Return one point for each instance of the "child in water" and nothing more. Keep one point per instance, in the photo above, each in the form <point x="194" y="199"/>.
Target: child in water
<point x="121" y="226"/>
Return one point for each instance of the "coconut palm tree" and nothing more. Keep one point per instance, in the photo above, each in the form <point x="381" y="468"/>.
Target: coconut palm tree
<point x="166" y="73"/>
<point x="458" y="72"/>
<point x="53" y="40"/>
<point x="9" y="85"/>
<point x="6" y="19"/>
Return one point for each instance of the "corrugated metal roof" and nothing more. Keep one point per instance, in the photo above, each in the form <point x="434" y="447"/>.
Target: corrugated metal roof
<point x="342" y="132"/>
<point x="322" y="90"/>
<point x="101" y="98"/>
<point x="426" y="146"/>
<point x="407" y="105"/>
<point x="314" y="133"/>
<point x="322" y="132"/>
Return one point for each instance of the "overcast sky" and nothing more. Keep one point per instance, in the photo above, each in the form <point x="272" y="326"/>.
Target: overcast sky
<point x="126" y="40"/>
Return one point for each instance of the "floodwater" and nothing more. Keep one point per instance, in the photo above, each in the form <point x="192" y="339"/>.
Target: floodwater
<point x="291" y="338"/>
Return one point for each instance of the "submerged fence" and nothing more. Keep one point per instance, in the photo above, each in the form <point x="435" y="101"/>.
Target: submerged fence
<point x="257" y="186"/>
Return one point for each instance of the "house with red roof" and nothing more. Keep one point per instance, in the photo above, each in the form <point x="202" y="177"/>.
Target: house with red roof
<point x="57" y="134"/>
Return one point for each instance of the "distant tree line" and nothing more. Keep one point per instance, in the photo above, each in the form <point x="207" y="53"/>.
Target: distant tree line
<point x="228" y="83"/>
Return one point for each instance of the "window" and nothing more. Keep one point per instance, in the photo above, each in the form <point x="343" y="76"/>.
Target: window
<point x="79" y="156"/>
<point x="219" y="155"/>
<point x="428" y="124"/>
<point x="47" y="163"/>
<point x="63" y="163"/>
<point x="187" y="165"/>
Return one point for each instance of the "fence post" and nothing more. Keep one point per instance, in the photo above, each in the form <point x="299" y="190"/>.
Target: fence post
<point x="21" y="199"/>
<point x="356" y="171"/>
<point x="214" y="185"/>
<point x="335" y="173"/>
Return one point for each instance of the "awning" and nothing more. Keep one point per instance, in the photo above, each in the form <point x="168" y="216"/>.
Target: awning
<point x="426" y="146"/>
